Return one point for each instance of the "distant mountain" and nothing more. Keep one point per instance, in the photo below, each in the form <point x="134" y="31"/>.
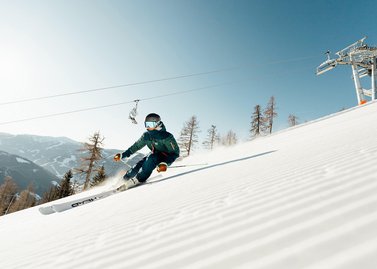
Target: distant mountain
<point x="24" y="172"/>
<point x="55" y="154"/>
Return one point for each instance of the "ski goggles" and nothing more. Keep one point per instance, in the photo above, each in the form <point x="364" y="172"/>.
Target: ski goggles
<point x="151" y="124"/>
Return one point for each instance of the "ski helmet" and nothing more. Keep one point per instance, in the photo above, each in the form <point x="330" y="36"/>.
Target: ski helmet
<point x="152" y="117"/>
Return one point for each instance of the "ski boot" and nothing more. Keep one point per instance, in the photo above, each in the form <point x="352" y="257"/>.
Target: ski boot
<point x="130" y="183"/>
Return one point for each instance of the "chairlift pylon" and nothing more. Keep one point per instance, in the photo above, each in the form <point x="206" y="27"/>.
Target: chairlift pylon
<point x="362" y="59"/>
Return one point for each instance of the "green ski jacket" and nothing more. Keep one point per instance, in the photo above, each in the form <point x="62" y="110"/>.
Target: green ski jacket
<point x="157" y="141"/>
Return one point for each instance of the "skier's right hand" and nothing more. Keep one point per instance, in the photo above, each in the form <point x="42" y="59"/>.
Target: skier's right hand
<point x="117" y="157"/>
<point x="162" y="167"/>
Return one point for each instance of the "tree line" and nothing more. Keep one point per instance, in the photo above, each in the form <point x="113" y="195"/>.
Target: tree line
<point x="262" y="121"/>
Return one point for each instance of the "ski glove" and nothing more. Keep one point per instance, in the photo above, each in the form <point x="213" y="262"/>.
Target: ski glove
<point x="162" y="167"/>
<point x="118" y="157"/>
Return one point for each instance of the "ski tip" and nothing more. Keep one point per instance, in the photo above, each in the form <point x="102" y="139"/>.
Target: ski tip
<point x="121" y="188"/>
<point x="47" y="210"/>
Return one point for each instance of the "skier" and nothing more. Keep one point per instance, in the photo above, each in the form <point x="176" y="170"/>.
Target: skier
<point x="164" y="149"/>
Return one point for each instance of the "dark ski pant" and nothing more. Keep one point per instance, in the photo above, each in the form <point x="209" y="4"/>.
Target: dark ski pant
<point x="144" y="168"/>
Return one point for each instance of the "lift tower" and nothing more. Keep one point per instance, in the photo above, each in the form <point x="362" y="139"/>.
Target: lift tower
<point x="362" y="59"/>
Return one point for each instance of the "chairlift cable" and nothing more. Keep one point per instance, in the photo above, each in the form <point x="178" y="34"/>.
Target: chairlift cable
<point x="116" y="86"/>
<point x="150" y="81"/>
<point x="115" y="104"/>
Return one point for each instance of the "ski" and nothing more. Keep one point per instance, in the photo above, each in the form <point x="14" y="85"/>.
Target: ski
<point x="60" y="207"/>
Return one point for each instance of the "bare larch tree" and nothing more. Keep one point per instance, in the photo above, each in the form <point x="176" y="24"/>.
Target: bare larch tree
<point x="212" y="138"/>
<point x="230" y="139"/>
<point x="8" y="194"/>
<point x="94" y="154"/>
<point x="292" y="120"/>
<point x="270" y="114"/>
<point x="189" y="135"/>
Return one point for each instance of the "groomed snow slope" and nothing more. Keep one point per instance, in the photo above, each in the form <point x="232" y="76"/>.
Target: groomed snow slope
<point x="302" y="198"/>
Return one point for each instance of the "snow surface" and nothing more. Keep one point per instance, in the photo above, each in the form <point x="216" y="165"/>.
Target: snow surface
<point x="20" y="160"/>
<point x="66" y="161"/>
<point x="302" y="198"/>
<point x="55" y="145"/>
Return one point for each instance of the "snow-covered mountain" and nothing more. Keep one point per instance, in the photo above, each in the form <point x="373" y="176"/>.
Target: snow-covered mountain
<point x="24" y="172"/>
<point x="55" y="154"/>
<point x="301" y="198"/>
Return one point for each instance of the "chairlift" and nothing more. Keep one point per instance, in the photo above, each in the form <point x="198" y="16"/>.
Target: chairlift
<point x="133" y="113"/>
<point x="326" y="65"/>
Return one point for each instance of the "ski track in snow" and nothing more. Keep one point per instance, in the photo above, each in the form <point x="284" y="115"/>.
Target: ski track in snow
<point x="302" y="198"/>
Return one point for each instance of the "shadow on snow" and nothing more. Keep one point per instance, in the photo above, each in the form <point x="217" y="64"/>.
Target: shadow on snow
<point x="212" y="166"/>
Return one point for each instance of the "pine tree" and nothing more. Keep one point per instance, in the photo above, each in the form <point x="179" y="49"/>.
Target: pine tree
<point x="212" y="138"/>
<point x="257" y="123"/>
<point x="66" y="188"/>
<point x="88" y="163"/>
<point x="189" y="135"/>
<point x="270" y="114"/>
<point x="8" y="194"/>
<point x="292" y="120"/>
<point x="25" y="200"/>
<point x="99" y="178"/>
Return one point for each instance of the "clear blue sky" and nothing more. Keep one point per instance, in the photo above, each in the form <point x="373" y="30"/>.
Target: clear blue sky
<point x="273" y="46"/>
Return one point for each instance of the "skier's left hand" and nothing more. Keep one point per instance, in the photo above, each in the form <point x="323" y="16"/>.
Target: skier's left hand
<point x="162" y="167"/>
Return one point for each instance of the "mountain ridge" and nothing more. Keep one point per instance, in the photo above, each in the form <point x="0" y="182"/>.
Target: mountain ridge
<point x="25" y="172"/>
